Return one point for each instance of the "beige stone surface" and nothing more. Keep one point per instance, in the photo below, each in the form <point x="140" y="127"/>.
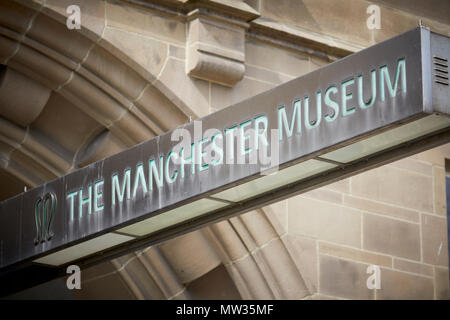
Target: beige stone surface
<point x="284" y="273"/>
<point x="15" y="17"/>
<point x="343" y="278"/>
<point x="162" y="273"/>
<point x="434" y="240"/>
<point x="58" y="37"/>
<point x="340" y="186"/>
<point x="391" y="236"/>
<point x="39" y="148"/>
<point x="97" y="271"/>
<point x="94" y="102"/>
<point x="324" y="195"/>
<point x="229" y="244"/>
<point x="277" y="213"/>
<point x="35" y="4"/>
<point x="12" y="185"/>
<point x="444" y="150"/>
<point x="381" y="208"/>
<point x="69" y="135"/>
<point x="22" y="174"/>
<point x="222" y="97"/>
<point x="190" y="256"/>
<point x="239" y="282"/>
<point x="217" y="34"/>
<point x="440" y="196"/>
<point x="188" y="94"/>
<point x="131" y="129"/>
<point x="266" y="75"/>
<point x="255" y="4"/>
<point x="92" y="14"/>
<point x="344" y="20"/>
<point x="303" y="251"/>
<point x="142" y="280"/>
<point x="145" y="55"/>
<point x="108" y="146"/>
<point x="317" y="62"/>
<point x="213" y="67"/>
<point x="393" y="185"/>
<point x="12" y="134"/>
<point x="325" y="221"/>
<point x="30" y="168"/>
<point x="150" y="128"/>
<point x="276" y="59"/>
<point x="145" y="22"/>
<point x="354" y="254"/>
<point x="254" y="283"/>
<point x="399" y="285"/>
<point x="282" y="34"/>
<point x="259" y="227"/>
<point x="5" y="148"/>
<point x="16" y="106"/>
<point x="115" y="73"/>
<point x="413" y="267"/>
<point x="160" y="109"/>
<point x="32" y="74"/>
<point x="201" y="289"/>
<point x="415" y="165"/>
<point x="237" y="5"/>
<point x="54" y="73"/>
<point x="244" y="234"/>
<point x="435" y="156"/>
<point x="110" y="287"/>
<point x="7" y="48"/>
<point x="177" y="52"/>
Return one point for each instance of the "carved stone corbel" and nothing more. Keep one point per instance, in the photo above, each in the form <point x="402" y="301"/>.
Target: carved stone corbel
<point x="215" y="47"/>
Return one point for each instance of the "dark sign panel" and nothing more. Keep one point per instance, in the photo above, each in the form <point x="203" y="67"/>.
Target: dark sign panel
<point x="312" y="130"/>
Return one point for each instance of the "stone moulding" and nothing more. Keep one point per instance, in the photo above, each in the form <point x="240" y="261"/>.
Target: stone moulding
<point x="218" y="29"/>
<point x="215" y="48"/>
<point x="211" y="67"/>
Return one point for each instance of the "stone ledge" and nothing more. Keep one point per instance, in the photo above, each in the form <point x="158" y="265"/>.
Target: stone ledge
<point x="302" y="40"/>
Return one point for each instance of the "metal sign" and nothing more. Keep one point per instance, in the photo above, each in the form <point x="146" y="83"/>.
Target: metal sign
<point x="333" y="122"/>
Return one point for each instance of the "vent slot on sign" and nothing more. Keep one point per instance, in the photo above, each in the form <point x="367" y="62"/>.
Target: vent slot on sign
<point x="440" y="70"/>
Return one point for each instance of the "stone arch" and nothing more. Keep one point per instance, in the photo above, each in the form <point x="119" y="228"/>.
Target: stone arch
<point x="112" y="98"/>
<point x="81" y="71"/>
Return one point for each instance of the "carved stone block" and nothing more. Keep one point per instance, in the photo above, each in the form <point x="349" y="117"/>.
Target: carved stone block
<point x="216" y="50"/>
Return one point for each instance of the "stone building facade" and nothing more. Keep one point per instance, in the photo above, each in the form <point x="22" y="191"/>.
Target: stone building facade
<point x="138" y="68"/>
